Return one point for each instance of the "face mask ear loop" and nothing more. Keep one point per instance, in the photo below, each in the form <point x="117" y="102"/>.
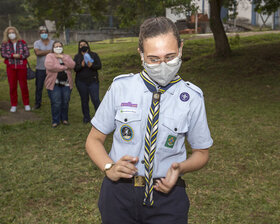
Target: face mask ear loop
<point x="180" y="53"/>
<point x="142" y="58"/>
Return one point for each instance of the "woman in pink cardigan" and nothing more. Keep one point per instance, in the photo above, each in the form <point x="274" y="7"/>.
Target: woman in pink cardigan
<point x="59" y="83"/>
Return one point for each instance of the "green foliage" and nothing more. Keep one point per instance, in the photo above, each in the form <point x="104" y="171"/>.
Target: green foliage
<point x="58" y="11"/>
<point x="266" y="7"/>
<point x="10" y="7"/>
<point x="232" y="7"/>
<point x="132" y="13"/>
<point x="187" y="7"/>
<point x="234" y="41"/>
<point x="14" y="11"/>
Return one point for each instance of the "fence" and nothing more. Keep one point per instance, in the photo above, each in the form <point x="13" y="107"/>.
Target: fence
<point x="74" y="36"/>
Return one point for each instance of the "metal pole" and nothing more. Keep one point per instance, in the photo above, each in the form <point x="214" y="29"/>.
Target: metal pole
<point x="273" y="21"/>
<point x="196" y="21"/>
<point x="9" y="18"/>
<point x="203" y="7"/>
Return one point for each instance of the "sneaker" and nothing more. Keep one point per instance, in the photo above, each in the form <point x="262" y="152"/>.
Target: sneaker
<point x="27" y="108"/>
<point x="13" y="109"/>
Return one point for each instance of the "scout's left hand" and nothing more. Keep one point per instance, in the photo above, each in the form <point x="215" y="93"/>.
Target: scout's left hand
<point x="165" y="185"/>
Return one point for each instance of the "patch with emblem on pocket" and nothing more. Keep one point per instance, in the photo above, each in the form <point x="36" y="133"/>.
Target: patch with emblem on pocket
<point x="126" y="132"/>
<point x="170" y="141"/>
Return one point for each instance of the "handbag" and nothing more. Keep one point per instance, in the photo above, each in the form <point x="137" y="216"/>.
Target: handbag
<point x="30" y="73"/>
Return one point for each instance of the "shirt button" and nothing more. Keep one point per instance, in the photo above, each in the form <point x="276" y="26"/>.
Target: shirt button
<point x="175" y="129"/>
<point x="142" y="161"/>
<point x="125" y="120"/>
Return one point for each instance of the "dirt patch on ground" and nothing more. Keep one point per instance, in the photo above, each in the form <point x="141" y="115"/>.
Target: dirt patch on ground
<point x="18" y="117"/>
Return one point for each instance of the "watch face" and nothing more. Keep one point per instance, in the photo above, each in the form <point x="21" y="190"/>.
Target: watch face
<point x="108" y="166"/>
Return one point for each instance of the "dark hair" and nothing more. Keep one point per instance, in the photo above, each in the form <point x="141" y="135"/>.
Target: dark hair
<point x="153" y="27"/>
<point x="43" y="28"/>
<point x="57" y="41"/>
<point x="81" y="42"/>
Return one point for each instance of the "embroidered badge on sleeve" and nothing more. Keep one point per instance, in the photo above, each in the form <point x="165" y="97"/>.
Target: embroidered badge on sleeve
<point x="184" y="96"/>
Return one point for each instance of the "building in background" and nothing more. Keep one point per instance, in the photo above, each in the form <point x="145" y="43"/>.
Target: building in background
<point x="246" y="16"/>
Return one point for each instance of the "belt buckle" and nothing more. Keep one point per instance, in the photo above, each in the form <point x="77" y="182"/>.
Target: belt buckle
<point x="139" y="181"/>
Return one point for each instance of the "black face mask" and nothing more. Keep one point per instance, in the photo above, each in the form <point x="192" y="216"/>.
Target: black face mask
<point x="84" y="49"/>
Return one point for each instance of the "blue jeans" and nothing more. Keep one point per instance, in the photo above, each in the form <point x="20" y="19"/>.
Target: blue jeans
<point x="86" y="90"/>
<point x="60" y="97"/>
<point x="40" y="79"/>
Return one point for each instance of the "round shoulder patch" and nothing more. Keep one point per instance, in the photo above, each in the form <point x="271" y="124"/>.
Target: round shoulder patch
<point x="126" y="132"/>
<point x="184" y="96"/>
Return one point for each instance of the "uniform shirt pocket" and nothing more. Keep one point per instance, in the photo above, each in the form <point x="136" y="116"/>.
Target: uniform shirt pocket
<point x="172" y="134"/>
<point x="128" y="125"/>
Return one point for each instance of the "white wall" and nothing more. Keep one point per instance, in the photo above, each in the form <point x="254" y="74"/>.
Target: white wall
<point x="260" y="22"/>
<point x="244" y="9"/>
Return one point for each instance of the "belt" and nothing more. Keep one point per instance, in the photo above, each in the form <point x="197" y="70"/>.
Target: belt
<point x="139" y="181"/>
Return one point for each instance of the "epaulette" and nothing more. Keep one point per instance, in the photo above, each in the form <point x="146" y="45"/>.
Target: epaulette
<point x="194" y="87"/>
<point x="122" y="76"/>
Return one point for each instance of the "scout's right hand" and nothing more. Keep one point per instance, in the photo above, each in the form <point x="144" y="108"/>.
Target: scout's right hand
<point x="123" y="168"/>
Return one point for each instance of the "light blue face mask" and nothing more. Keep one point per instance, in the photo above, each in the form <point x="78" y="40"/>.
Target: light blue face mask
<point x="44" y="36"/>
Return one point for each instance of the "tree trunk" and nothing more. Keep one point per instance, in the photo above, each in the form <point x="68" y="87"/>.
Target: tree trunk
<point x="216" y="25"/>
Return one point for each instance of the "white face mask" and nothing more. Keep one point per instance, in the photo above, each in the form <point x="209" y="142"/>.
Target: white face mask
<point x="58" y="50"/>
<point x="12" y="36"/>
<point x="163" y="73"/>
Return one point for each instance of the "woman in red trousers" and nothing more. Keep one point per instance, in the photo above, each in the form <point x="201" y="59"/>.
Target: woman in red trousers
<point x="15" y="52"/>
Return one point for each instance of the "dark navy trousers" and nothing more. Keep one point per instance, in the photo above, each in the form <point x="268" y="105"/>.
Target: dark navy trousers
<point x="122" y="203"/>
<point x="40" y="79"/>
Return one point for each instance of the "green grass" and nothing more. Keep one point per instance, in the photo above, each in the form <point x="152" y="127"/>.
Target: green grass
<point x="47" y="177"/>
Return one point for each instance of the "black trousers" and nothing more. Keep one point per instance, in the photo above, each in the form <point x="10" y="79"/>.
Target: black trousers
<point x="40" y="79"/>
<point x="123" y="203"/>
<point x="87" y="90"/>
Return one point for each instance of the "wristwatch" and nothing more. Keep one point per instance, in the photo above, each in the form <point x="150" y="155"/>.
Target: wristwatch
<point x="108" y="166"/>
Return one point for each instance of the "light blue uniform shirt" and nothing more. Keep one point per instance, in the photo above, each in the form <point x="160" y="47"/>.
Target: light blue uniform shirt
<point x="124" y="110"/>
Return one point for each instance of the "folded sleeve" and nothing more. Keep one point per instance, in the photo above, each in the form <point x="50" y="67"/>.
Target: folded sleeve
<point x="198" y="134"/>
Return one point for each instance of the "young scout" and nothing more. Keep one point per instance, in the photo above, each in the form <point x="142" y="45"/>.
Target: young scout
<point x="151" y="113"/>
